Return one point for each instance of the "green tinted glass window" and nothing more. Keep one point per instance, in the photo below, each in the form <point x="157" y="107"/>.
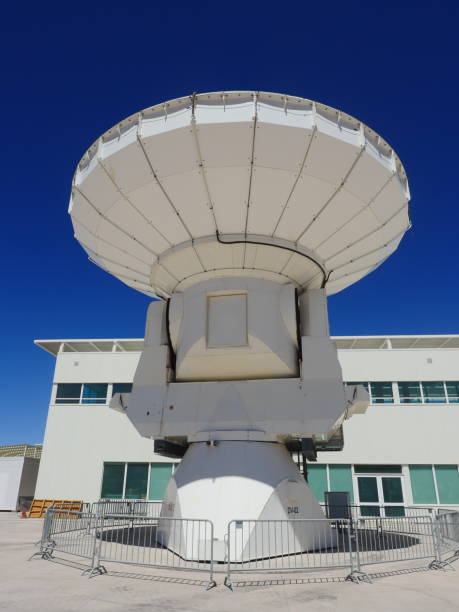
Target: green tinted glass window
<point x="447" y="483"/>
<point x="370" y="511"/>
<point x="68" y="393"/>
<point x="112" y="481"/>
<point x="121" y="388"/>
<point x="434" y="392"/>
<point x="378" y="469"/>
<point x="422" y="484"/>
<point x="394" y="510"/>
<point x="381" y="393"/>
<point x="160" y="474"/>
<point x="341" y="479"/>
<point x="317" y="480"/>
<point x="392" y="490"/>
<point x="452" y="388"/>
<point x="368" y="489"/>
<point x="94" y="393"/>
<point x="410" y="392"/>
<point x="136" y="481"/>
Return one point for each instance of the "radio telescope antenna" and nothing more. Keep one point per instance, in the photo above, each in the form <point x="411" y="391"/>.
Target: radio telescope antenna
<point x="241" y="211"/>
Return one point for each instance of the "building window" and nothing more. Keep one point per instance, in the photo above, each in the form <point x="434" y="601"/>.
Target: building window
<point x="160" y="474"/>
<point x="332" y="477"/>
<point x="447" y="477"/>
<point x="380" y="392"/>
<point x="434" y="392"/>
<point x="422" y="484"/>
<point x="363" y="384"/>
<point x="94" y="393"/>
<point x="113" y="481"/>
<point x="452" y="388"/>
<point x="410" y="392"/>
<point x="378" y="468"/>
<point x="135" y="480"/>
<point x="68" y="393"/>
<point x="437" y="484"/>
<point x="318" y="480"/>
<point x="122" y="388"/>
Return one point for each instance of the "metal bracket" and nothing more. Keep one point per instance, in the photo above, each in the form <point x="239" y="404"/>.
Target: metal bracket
<point x="100" y="570"/>
<point x="438" y="564"/>
<point x="357" y="577"/>
<point x="227" y="582"/>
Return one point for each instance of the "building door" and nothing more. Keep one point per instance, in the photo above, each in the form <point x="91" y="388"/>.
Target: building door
<point x="381" y="495"/>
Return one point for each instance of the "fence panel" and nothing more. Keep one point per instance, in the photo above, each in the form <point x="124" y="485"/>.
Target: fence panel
<point x="151" y="509"/>
<point x="391" y="539"/>
<point x="288" y="545"/>
<point x="447" y="531"/>
<point x="70" y="532"/>
<point x="184" y="544"/>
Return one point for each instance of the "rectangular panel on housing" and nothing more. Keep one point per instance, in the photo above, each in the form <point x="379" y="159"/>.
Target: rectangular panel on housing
<point x="227" y="320"/>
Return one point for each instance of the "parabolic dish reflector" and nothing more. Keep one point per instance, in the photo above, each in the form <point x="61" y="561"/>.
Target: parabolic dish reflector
<point x="239" y="184"/>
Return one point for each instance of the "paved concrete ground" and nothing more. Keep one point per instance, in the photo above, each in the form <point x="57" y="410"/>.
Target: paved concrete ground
<point x="57" y="585"/>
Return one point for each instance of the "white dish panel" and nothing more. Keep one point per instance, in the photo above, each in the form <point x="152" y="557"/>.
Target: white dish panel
<point x="281" y="171"/>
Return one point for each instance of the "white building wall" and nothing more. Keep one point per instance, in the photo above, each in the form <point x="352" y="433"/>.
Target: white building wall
<point x="400" y="364"/>
<point x="401" y="434"/>
<point x="10" y="478"/>
<point x="80" y="438"/>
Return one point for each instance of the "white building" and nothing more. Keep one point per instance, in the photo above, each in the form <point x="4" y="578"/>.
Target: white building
<point x="403" y="451"/>
<point x="18" y="475"/>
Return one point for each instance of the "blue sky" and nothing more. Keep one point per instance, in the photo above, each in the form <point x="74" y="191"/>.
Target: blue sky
<point x="70" y="71"/>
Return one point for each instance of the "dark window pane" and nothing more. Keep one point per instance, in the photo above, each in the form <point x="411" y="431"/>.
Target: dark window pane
<point x="434" y="392"/>
<point x="452" y="388"/>
<point x="94" y="393"/>
<point x="392" y="490"/>
<point x="378" y="469"/>
<point x="122" y="388"/>
<point x="368" y="490"/>
<point x="381" y="393"/>
<point x="68" y="393"/>
<point x="136" y="481"/>
<point x="448" y="483"/>
<point x="364" y="384"/>
<point x="112" y="482"/>
<point x="370" y="511"/>
<point x="410" y="392"/>
<point x="394" y="510"/>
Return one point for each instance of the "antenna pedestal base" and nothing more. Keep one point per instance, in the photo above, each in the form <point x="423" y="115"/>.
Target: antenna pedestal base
<point x="236" y="484"/>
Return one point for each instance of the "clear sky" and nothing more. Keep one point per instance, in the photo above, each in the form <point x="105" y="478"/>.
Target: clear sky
<point x="69" y="71"/>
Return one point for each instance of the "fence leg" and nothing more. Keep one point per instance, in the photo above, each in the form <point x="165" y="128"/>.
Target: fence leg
<point x="356" y="574"/>
<point x="96" y="568"/>
<point x="211" y="584"/>
<point x="227" y="582"/>
<point x="46" y="545"/>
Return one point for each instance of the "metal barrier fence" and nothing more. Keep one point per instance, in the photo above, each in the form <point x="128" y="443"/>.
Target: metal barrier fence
<point x="137" y="507"/>
<point x="386" y="540"/>
<point x="259" y="546"/>
<point x="353" y="511"/>
<point x="447" y="533"/>
<point x="142" y="540"/>
<point x="311" y="544"/>
<point x="69" y="532"/>
<point x="183" y="544"/>
<point x="287" y="545"/>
